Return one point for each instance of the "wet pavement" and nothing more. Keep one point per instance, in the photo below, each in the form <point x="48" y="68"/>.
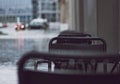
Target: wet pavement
<point x="15" y="44"/>
<point x="12" y="49"/>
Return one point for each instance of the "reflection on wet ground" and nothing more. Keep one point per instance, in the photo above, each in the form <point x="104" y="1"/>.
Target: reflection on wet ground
<point x="15" y="44"/>
<point x="12" y="49"/>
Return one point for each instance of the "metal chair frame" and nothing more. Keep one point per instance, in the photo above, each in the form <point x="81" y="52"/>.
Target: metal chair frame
<point x="26" y="76"/>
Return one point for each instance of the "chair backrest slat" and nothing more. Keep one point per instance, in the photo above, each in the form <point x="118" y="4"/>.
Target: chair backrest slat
<point x="80" y="43"/>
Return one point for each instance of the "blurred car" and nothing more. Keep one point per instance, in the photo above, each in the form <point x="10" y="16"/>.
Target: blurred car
<point x="38" y="24"/>
<point x="5" y="25"/>
<point x="1" y="25"/>
<point x="19" y="26"/>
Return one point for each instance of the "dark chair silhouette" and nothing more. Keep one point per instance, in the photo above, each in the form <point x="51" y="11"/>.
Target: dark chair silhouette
<point x="69" y="33"/>
<point x="79" y="44"/>
<point x="27" y="76"/>
<point x="97" y="43"/>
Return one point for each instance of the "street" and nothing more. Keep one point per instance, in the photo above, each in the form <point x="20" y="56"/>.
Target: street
<point x="13" y="44"/>
<point x="33" y="33"/>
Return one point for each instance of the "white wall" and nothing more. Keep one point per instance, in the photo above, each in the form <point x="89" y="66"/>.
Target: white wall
<point x="101" y="18"/>
<point x="107" y="25"/>
<point x="90" y="22"/>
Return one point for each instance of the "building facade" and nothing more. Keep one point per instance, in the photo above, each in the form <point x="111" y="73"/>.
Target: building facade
<point x="11" y="9"/>
<point x="49" y="9"/>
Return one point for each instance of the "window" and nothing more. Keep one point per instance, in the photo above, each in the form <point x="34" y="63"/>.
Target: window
<point x="43" y="15"/>
<point x="43" y="6"/>
<point x="14" y="43"/>
<point x="54" y="6"/>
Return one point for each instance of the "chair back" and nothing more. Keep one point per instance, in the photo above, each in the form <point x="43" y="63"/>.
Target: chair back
<point x="27" y="76"/>
<point x="69" y="33"/>
<point x="78" y="43"/>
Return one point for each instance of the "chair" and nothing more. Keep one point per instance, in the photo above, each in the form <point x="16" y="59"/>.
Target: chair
<point x="27" y="76"/>
<point x="69" y="33"/>
<point x="80" y="44"/>
<point x="97" y="44"/>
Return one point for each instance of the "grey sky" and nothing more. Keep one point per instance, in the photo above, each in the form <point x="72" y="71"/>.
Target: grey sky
<point x="15" y="3"/>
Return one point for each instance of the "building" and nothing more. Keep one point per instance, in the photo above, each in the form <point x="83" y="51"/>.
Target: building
<point x="11" y="9"/>
<point x="49" y="9"/>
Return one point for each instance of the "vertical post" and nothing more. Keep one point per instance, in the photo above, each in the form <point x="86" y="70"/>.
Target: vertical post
<point x="72" y="14"/>
<point x="80" y="8"/>
<point x="90" y="17"/>
<point x="108" y="23"/>
<point x="76" y="15"/>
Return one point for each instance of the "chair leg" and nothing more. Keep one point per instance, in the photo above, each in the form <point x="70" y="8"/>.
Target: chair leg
<point x="115" y="65"/>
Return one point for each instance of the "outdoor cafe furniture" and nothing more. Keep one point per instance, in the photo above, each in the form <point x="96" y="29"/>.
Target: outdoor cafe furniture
<point x="31" y="76"/>
<point x="80" y="44"/>
<point x="71" y="33"/>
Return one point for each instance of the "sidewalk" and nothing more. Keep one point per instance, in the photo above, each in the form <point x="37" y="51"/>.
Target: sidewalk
<point x="8" y="75"/>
